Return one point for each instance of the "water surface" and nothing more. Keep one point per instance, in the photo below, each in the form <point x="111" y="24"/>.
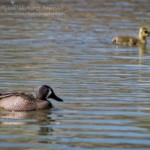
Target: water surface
<point x="105" y="87"/>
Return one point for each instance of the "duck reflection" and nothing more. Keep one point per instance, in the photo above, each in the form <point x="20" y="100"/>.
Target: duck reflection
<point x="142" y="51"/>
<point x="26" y="118"/>
<point x="45" y="130"/>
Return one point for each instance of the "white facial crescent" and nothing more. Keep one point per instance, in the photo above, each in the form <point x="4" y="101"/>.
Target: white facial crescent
<point x="49" y="93"/>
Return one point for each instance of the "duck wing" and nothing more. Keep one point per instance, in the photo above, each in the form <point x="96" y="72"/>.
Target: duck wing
<point x="4" y="95"/>
<point x="27" y="97"/>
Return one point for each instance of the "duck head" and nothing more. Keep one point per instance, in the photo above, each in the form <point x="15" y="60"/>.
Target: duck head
<point x="44" y="92"/>
<point x="144" y="32"/>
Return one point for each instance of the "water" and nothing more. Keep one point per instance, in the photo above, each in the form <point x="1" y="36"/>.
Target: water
<point x="105" y="88"/>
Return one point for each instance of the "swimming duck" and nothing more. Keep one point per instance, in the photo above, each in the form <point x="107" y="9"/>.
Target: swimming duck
<point x="127" y="40"/>
<point x="17" y="101"/>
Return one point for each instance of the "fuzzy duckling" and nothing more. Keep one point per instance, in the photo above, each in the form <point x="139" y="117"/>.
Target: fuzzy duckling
<point x="127" y="40"/>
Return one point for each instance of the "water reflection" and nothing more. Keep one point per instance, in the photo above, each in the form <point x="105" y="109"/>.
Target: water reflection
<point x="142" y="52"/>
<point x="25" y="118"/>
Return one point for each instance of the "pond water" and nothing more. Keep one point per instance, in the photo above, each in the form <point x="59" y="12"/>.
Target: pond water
<point x="105" y="88"/>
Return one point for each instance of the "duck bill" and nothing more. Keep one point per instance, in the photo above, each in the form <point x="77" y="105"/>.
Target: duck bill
<point x="53" y="96"/>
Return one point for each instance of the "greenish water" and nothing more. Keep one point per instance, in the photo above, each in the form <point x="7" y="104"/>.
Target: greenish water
<point x="105" y="88"/>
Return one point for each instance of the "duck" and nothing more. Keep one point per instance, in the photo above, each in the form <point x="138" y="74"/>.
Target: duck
<point x="127" y="40"/>
<point x="19" y="101"/>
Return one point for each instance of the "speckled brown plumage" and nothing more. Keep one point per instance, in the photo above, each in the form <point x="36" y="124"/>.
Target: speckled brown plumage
<point x="26" y="102"/>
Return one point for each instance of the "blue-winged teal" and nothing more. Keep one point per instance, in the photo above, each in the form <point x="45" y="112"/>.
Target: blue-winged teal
<point x="16" y="101"/>
<point x="127" y="40"/>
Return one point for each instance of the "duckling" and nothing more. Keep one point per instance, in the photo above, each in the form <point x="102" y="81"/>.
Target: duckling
<point x="127" y="40"/>
<point x="16" y="101"/>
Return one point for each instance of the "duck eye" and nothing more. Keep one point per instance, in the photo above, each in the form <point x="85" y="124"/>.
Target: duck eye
<point x="146" y="32"/>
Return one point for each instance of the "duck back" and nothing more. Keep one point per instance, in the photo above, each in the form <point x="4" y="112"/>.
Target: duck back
<point x="126" y="40"/>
